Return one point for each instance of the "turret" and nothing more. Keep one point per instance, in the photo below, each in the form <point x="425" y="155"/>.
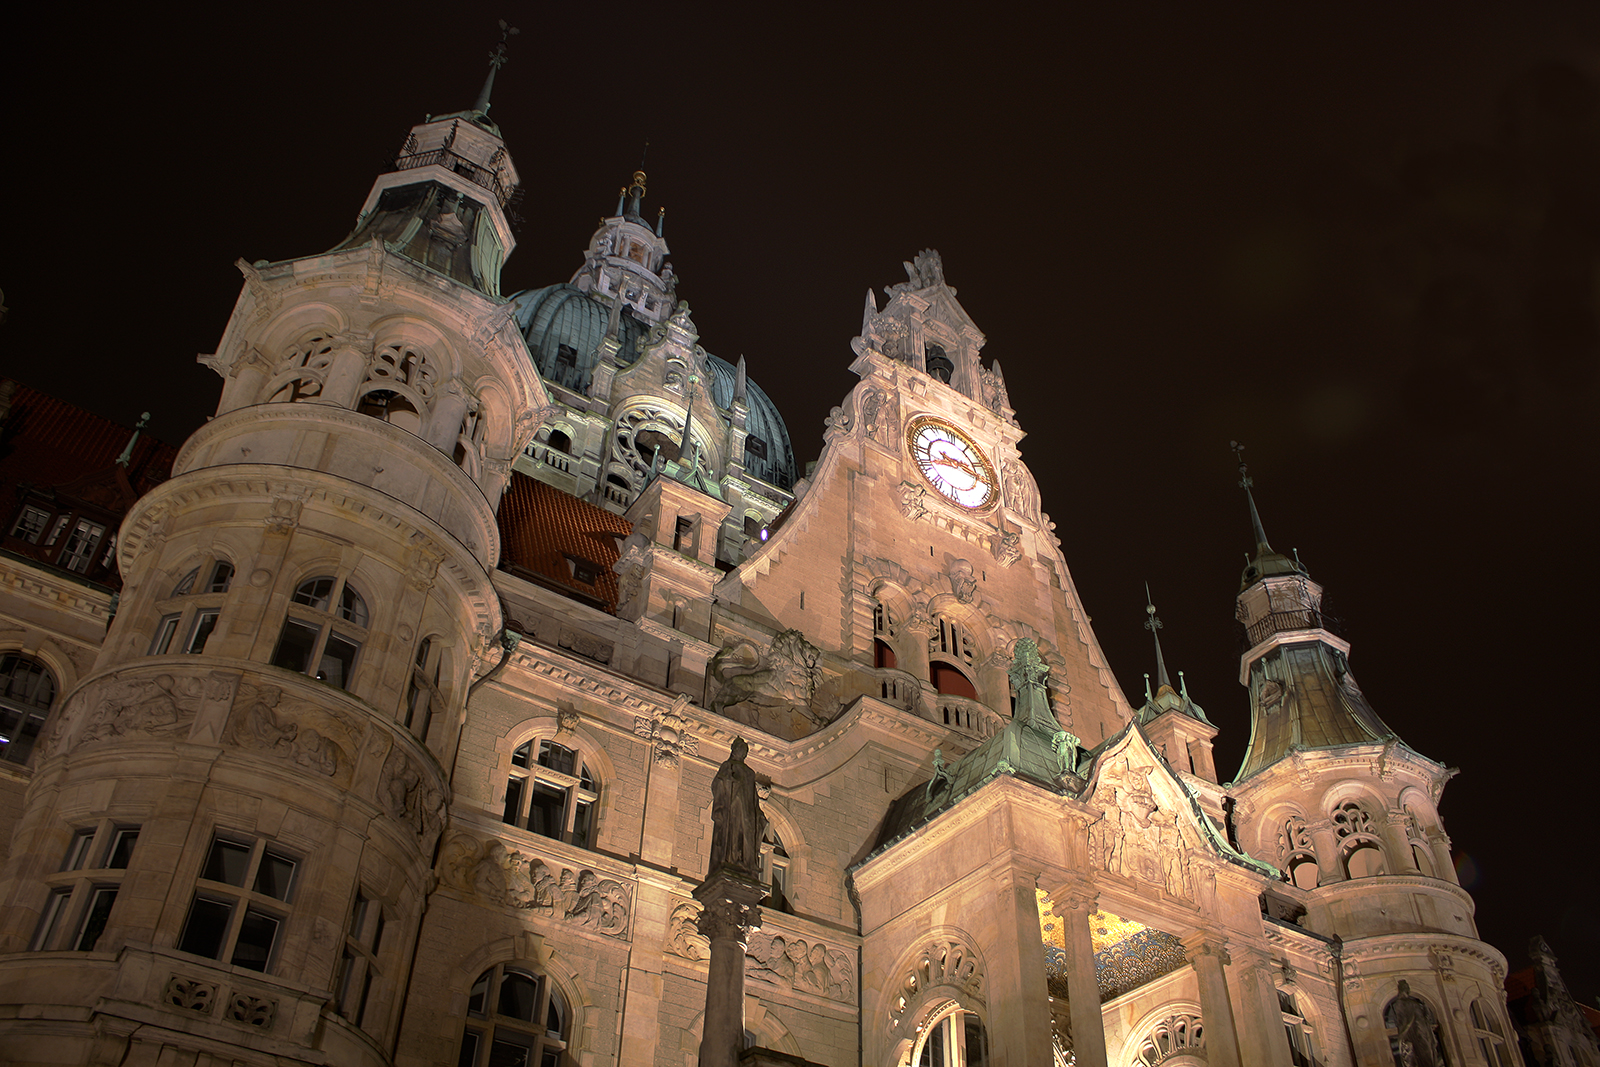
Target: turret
<point x="1176" y="726"/>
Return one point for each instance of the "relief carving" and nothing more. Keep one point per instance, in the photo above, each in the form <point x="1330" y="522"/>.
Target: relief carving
<point x="878" y="417"/>
<point x="408" y="795"/>
<point x="494" y="872"/>
<point x="1135" y="838"/>
<point x="913" y="500"/>
<point x="1022" y="494"/>
<point x="962" y="581"/>
<point x="669" y="730"/>
<point x="945" y="962"/>
<point x="789" y="963"/>
<point x="263" y="723"/>
<point x="683" y="933"/>
<point x="1007" y="548"/>
<point x="159" y="706"/>
<point x="586" y="645"/>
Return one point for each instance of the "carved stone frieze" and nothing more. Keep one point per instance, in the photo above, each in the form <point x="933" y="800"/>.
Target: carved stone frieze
<point x="162" y="706"/>
<point x="1136" y="838"/>
<point x="493" y="871"/>
<point x="944" y="962"/>
<point x="293" y="730"/>
<point x="771" y="689"/>
<point x="788" y="962"/>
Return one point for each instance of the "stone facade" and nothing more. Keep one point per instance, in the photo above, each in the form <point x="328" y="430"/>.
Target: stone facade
<point x="400" y="805"/>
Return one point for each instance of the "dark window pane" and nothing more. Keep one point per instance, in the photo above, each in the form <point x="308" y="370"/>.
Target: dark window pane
<point x="582" y="824"/>
<point x="511" y="1050"/>
<point x="352" y="608"/>
<point x="274" y="876"/>
<point x="94" y="923"/>
<point x="204" y="623"/>
<point x="547" y="810"/>
<point x="122" y="849"/>
<point x="513" y="799"/>
<point x="519" y="758"/>
<point x="256" y="934"/>
<point x="555" y="1021"/>
<point x="295" y="645"/>
<point x="479" y="995"/>
<point x="208" y="923"/>
<point x="227" y="863"/>
<point x="165" y="630"/>
<point x="221" y="576"/>
<point x="377" y="935"/>
<point x="338" y="657"/>
<point x="347" y="973"/>
<point x="315" y="593"/>
<point x="78" y="853"/>
<point x="557" y="757"/>
<point x="519" y="993"/>
<point x="469" y="1050"/>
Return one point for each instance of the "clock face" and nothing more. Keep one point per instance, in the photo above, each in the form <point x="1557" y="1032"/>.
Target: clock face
<point x="951" y="462"/>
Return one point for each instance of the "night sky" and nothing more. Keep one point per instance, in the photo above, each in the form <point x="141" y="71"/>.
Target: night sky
<point x="1363" y="240"/>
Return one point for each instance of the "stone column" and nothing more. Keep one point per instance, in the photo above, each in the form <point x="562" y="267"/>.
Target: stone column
<point x="729" y="916"/>
<point x="1083" y="991"/>
<point x="1444" y="864"/>
<point x="1263" y="1041"/>
<point x="1208" y="955"/>
<point x="1398" y="843"/>
<point x="1328" y="866"/>
<point x="1019" y="992"/>
<point x="918" y="629"/>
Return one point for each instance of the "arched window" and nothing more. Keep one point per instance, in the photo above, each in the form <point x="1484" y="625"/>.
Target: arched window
<point x="205" y="584"/>
<point x="516" y="1017"/>
<point x="954" y="1037"/>
<point x="27" y="689"/>
<point x="952" y="641"/>
<point x="1362" y="852"/>
<point x="1491" y="1038"/>
<point x="882" y="653"/>
<point x="951" y="681"/>
<point x="326" y="625"/>
<point x="551" y="792"/>
<point x="560" y="442"/>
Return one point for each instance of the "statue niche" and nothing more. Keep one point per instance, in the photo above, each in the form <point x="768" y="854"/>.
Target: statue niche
<point x="773" y="690"/>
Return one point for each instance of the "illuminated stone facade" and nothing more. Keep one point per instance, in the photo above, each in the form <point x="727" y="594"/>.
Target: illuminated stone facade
<point x="340" y="784"/>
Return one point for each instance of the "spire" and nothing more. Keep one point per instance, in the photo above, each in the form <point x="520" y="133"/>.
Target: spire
<point x="661" y="219"/>
<point x="497" y="59"/>
<point x="684" y="455"/>
<point x="740" y="381"/>
<point x="127" y="452"/>
<point x="1246" y="483"/>
<point x="1153" y="624"/>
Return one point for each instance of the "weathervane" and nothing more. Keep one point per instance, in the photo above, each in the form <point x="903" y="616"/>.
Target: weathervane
<point x="1245" y="481"/>
<point x="497" y="59"/>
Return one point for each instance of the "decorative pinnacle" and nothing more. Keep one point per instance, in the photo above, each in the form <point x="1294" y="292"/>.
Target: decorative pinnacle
<point x="688" y="420"/>
<point x="497" y="59"/>
<point x="127" y="453"/>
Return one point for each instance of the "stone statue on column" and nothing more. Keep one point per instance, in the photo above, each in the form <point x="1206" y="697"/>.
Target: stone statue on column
<point x="729" y="896"/>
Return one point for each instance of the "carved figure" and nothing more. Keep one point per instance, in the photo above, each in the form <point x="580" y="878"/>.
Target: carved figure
<point x="1007" y="549"/>
<point x="683" y="934"/>
<point x="1416" y="1039"/>
<point x="406" y="795"/>
<point x="783" y="680"/>
<point x="164" y="704"/>
<point x="736" y="820"/>
<point x="1066" y="752"/>
<point x="962" y="581"/>
<point x="1022" y="495"/>
<point x="913" y="500"/>
<point x="941" y="779"/>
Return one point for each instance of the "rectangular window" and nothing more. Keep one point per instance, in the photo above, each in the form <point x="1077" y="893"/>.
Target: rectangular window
<point x="582" y="823"/>
<point x="547" y="810"/>
<point x="295" y="646"/>
<point x="78" y="552"/>
<point x="207" y="926"/>
<point x="755" y="446"/>
<point x="228" y="863"/>
<point x="513" y="799"/>
<point x="257" y="933"/>
<point x="227" y="921"/>
<point x="338" y="659"/>
<point x="200" y="632"/>
<point x="166" y="629"/>
<point x="221" y="575"/>
<point x="122" y="842"/>
<point x="78" y="853"/>
<point x="274" y="876"/>
<point x="55" y="531"/>
<point x="31" y="524"/>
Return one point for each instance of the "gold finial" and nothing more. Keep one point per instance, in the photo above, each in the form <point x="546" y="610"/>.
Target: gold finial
<point x="638" y="180"/>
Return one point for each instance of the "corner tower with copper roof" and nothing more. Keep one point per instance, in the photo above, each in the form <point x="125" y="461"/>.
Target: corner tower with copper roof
<point x="249" y="785"/>
<point x="1350" y="813"/>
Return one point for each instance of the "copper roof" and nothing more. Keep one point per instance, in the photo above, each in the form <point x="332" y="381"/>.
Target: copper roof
<point x="545" y="534"/>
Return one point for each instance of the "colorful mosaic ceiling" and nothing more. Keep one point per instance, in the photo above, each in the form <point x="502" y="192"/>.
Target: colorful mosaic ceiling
<point x="1127" y="954"/>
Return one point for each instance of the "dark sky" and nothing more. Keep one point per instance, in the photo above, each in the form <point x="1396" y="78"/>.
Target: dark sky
<point x="1363" y="240"/>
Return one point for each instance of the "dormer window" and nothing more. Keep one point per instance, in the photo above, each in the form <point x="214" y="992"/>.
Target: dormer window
<point x="755" y="447"/>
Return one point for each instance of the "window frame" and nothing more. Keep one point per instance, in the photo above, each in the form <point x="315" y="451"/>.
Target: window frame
<point x="190" y="602"/>
<point x="243" y="899"/>
<point x="546" y="1047"/>
<point x="330" y="614"/>
<point x="93" y="868"/>
<point x="360" y="964"/>
<point x="30" y="716"/>
<point x="424" y="695"/>
<point x="581" y="790"/>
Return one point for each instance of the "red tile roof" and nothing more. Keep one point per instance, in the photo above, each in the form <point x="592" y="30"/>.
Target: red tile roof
<point x="541" y="528"/>
<point x="47" y="443"/>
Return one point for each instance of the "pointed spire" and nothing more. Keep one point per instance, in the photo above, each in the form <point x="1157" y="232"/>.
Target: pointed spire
<point x="740" y="381"/>
<point x="684" y="455"/>
<point x="1246" y="483"/>
<point x="497" y="59"/>
<point x="1153" y="624"/>
<point x="661" y="219"/>
<point x="127" y="452"/>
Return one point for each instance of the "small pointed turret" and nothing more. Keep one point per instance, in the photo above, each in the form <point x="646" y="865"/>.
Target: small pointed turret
<point x="740" y="381"/>
<point x="1164" y="697"/>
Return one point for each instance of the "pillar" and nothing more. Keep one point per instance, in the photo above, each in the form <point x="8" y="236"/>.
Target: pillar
<point x="1398" y="844"/>
<point x="1208" y="954"/>
<point x="729" y="916"/>
<point x="1083" y="990"/>
<point x="1263" y="1042"/>
<point x="1329" y="866"/>
<point x="1019" y="992"/>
